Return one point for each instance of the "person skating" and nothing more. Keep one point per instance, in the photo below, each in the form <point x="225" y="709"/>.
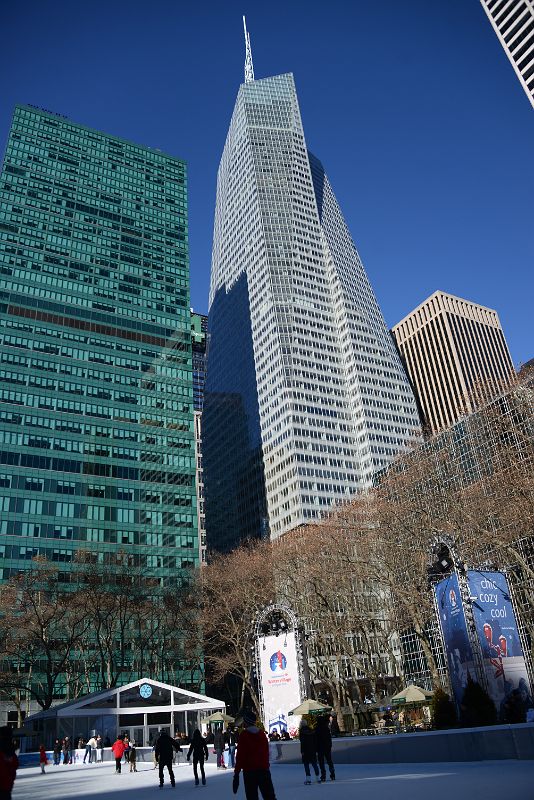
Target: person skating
<point x="199" y="750"/>
<point x="233" y="737"/>
<point x="308" y="750"/>
<point x="253" y="758"/>
<point x="57" y="752"/>
<point x="324" y="747"/>
<point x="90" y="745"/>
<point x="164" y="750"/>
<point x="43" y="760"/>
<point x="100" y="746"/>
<point x="8" y="763"/>
<point x="133" y="757"/>
<point x="67" y="750"/>
<point x="218" y="746"/>
<point x="118" y="749"/>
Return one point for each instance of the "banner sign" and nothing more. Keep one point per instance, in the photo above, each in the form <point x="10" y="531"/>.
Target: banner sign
<point x="279" y="678"/>
<point x="496" y="627"/>
<point x="456" y="640"/>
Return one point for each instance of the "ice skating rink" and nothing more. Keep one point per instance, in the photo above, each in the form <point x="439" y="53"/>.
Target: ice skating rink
<point x="490" y="780"/>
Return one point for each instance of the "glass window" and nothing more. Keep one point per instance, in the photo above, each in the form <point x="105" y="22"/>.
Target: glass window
<point x="132" y="697"/>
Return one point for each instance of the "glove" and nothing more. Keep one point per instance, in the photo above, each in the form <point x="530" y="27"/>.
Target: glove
<point x="235" y="782"/>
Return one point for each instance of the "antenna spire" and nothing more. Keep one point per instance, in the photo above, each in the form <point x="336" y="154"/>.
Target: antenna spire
<point x="249" y="66"/>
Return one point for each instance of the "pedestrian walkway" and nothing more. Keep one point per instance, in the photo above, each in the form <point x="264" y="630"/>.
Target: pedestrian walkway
<point x="490" y="780"/>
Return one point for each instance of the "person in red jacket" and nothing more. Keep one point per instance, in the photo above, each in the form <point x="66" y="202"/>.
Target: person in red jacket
<point x="118" y="749"/>
<point x="253" y="758"/>
<point x="8" y="763"/>
<point x="43" y="761"/>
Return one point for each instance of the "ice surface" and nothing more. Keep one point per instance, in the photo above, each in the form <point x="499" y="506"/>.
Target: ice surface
<point x="489" y="780"/>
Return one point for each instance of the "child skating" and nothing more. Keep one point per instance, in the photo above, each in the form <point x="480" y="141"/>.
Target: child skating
<point x="43" y="760"/>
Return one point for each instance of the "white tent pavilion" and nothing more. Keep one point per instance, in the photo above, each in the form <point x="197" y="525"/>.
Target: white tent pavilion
<point x="141" y="709"/>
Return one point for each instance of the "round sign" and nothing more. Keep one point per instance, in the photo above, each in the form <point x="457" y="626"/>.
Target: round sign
<point x="145" y="690"/>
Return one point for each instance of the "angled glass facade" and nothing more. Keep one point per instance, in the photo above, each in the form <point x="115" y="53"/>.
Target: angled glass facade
<point x="97" y="448"/>
<point x="325" y="401"/>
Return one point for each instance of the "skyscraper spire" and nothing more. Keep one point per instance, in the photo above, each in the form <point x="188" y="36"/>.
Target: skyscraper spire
<point x="249" y="66"/>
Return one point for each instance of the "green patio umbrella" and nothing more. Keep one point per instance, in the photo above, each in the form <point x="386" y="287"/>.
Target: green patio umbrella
<point x="219" y="716"/>
<point x="309" y="707"/>
<point x="412" y="695"/>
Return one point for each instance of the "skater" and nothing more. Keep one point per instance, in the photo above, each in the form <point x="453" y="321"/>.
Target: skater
<point x="126" y="749"/>
<point x="199" y="749"/>
<point x="118" y="749"/>
<point x="57" y="752"/>
<point x="253" y="758"/>
<point x="232" y="737"/>
<point x="67" y="751"/>
<point x="8" y="763"/>
<point x="308" y="750"/>
<point x="324" y="747"/>
<point x="100" y="746"/>
<point x="218" y="746"/>
<point x="164" y="747"/>
<point x="133" y="757"/>
<point x="90" y="745"/>
<point x="87" y="753"/>
<point x="43" y="761"/>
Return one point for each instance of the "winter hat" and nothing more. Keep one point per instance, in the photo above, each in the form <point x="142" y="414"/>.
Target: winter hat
<point x="249" y="718"/>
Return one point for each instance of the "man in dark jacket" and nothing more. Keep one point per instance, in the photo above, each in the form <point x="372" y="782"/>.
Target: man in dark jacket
<point x="324" y="747"/>
<point x="218" y="746"/>
<point x="308" y="750"/>
<point x="164" y="750"/>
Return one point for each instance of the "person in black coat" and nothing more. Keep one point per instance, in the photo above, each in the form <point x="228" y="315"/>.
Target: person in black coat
<point x="219" y="746"/>
<point x="199" y="750"/>
<point x="324" y="747"/>
<point x="163" y="752"/>
<point x="308" y="750"/>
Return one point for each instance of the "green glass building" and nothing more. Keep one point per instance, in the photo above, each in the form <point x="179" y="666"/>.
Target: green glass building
<point x="97" y="448"/>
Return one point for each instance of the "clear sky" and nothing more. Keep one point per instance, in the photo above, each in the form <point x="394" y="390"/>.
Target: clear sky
<point x="411" y="105"/>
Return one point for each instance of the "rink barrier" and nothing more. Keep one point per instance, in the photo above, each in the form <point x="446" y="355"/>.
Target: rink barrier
<point x="493" y="743"/>
<point x="144" y="754"/>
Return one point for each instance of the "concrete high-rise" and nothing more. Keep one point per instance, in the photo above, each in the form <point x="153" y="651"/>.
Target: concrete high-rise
<point x="306" y="396"/>
<point x="96" y="418"/>
<point x="513" y="22"/>
<point x="455" y="354"/>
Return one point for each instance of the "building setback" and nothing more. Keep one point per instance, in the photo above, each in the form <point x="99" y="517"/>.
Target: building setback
<point x="513" y="22"/>
<point x="199" y="329"/>
<point x="455" y="354"/>
<point x="96" y="418"/>
<point x="306" y="396"/>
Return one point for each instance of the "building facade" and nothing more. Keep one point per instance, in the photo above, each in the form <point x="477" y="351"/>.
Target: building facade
<point x="306" y="396"/>
<point x="455" y="354"/>
<point x="513" y="22"/>
<point x="96" y="417"/>
<point x="199" y="332"/>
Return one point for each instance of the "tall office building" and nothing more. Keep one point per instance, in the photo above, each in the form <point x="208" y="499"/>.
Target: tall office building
<point x="455" y="354"/>
<point x="306" y="396"/>
<point x="199" y="330"/>
<point x="513" y="22"/>
<point x="96" y="418"/>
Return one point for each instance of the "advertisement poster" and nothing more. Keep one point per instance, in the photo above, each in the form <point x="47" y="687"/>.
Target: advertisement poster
<point x="457" y="645"/>
<point x="496" y="626"/>
<point x="280" y="679"/>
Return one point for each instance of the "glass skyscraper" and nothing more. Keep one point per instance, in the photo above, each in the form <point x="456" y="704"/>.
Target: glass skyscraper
<point x="306" y="397"/>
<point x="97" y="448"/>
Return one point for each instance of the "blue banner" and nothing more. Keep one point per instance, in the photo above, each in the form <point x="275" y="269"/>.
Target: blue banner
<point x="496" y="627"/>
<point x="457" y="645"/>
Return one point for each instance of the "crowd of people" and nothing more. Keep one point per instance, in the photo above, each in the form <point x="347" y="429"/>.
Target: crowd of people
<point x="245" y="750"/>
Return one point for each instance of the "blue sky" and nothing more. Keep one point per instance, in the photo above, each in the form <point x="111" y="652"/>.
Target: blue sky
<point x="412" y="106"/>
